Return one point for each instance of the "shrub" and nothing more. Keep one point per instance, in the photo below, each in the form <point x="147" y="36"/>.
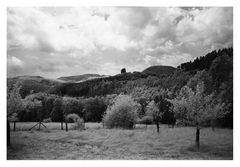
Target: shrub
<point x="181" y="123"/>
<point x="168" y="118"/>
<point x="13" y="118"/>
<point x="123" y="113"/>
<point x="146" y="120"/>
<point x="72" y="118"/>
<point x="47" y="120"/>
<point x="79" y="123"/>
<point x="72" y="105"/>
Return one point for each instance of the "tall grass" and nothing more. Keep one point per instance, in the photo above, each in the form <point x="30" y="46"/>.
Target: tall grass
<point x="140" y="143"/>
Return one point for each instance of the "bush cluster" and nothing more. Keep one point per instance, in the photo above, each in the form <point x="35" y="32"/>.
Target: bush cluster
<point x="147" y="120"/>
<point x="122" y="114"/>
<point x="74" y="118"/>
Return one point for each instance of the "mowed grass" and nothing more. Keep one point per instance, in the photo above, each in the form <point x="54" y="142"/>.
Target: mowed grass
<point x="98" y="143"/>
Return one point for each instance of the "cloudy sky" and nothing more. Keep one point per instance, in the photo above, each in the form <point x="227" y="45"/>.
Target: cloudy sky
<point x="54" y="42"/>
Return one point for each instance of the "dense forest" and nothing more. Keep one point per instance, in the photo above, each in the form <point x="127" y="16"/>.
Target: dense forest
<point x="157" y="85"/>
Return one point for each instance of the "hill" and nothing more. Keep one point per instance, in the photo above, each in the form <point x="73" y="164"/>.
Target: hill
<point x="32" y="83"/>
<point x="80" y="78"/>
<point x="159" y="70"/>
<point x="161" y="77"/>
<point x="205" y="62"/>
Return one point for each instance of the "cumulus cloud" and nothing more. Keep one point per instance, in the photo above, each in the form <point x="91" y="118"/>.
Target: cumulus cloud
<point x="209" y="26"/>
<point x="76" y="29"/>
<point x="55" y="41"/>
<point x="15" y="61"/>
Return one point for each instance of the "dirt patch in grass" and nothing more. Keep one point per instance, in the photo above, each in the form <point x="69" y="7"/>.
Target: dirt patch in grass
<point x="140" y="143"/>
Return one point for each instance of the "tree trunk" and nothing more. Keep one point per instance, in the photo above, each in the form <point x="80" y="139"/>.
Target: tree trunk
<point x="197" y="142"/>
<point x="213" y="125"/>
<point x="61" y="125"/>
<point x="173" y="124"/>
<point x="157" y="127"/>
<point x="40" y="119"/>
<point x="8" y="133"/>
<point x="66" y="126"/>
<point x="39" y="125"/>
<point x="14" y="126"/>
<point x="213" y="128"/>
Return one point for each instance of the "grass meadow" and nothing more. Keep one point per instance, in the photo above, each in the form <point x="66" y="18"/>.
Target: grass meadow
<point x="99" y="143"/>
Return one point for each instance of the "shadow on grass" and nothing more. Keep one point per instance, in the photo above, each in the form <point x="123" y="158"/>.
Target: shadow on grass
<point x="203" y="148"/>
<point x="13" y="150"/>
<point x="208" y="152"/>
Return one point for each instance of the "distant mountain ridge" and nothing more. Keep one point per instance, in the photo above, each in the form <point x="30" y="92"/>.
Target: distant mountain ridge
<point x="32" y="83"/>
<point x="80" y="78"/>
<point x="41" y="84"/>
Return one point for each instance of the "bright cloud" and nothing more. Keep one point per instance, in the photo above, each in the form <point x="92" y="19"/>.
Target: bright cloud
<point x="15" y="61"/>
<point x="68" y="41"/>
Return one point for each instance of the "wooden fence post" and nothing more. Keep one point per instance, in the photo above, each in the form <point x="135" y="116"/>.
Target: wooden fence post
<point x="66" y="126"/>
<point x="14" y="125"/>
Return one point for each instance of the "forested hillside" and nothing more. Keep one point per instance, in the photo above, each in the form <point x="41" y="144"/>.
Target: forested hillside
<point x="214" y="71"/>
<point x="32" y="84"/>
<point x="217" y="64"/>
<point x="205" y="62"/>
<point x="159" y="70"/>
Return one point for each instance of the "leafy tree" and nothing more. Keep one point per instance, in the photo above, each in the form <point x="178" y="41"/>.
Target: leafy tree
<point x="153" y="110"/>
<point x="196" y="109"/>
<point x="164" y="107"/>
<point x="145" y="93"/>
<point x="35" y="105"/>
<point x="146" y="120"/>
<point x="222" y="73"/>
<point x="47" y="105"/>
<point x="72" y="105"/>
<point x="201" y="76"/>
<point x="14" y="105"/>
<point x="57" y="112"/>
<point x="94" y="109"/>
<point x="221" y="68"/>
<point x="47" y="102"/>
<point x="161" y="111"/>
<point x="143" y="104"/>
<point x="226" y="96"/>
<point x="14" y="100"/>
<point x="109" y="99"/>
<point x="168" y="117"/>
<point x="123" y="113"/>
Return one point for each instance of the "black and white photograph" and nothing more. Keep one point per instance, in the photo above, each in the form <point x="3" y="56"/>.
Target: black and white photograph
<point x="119" y="83"/>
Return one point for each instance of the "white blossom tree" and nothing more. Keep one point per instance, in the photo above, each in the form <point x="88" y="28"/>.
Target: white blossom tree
<point x="196" y="109"/>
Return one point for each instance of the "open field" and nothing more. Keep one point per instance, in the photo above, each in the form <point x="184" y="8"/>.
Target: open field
<point x="98" y="143"/>
<point x="20" y="126"/>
